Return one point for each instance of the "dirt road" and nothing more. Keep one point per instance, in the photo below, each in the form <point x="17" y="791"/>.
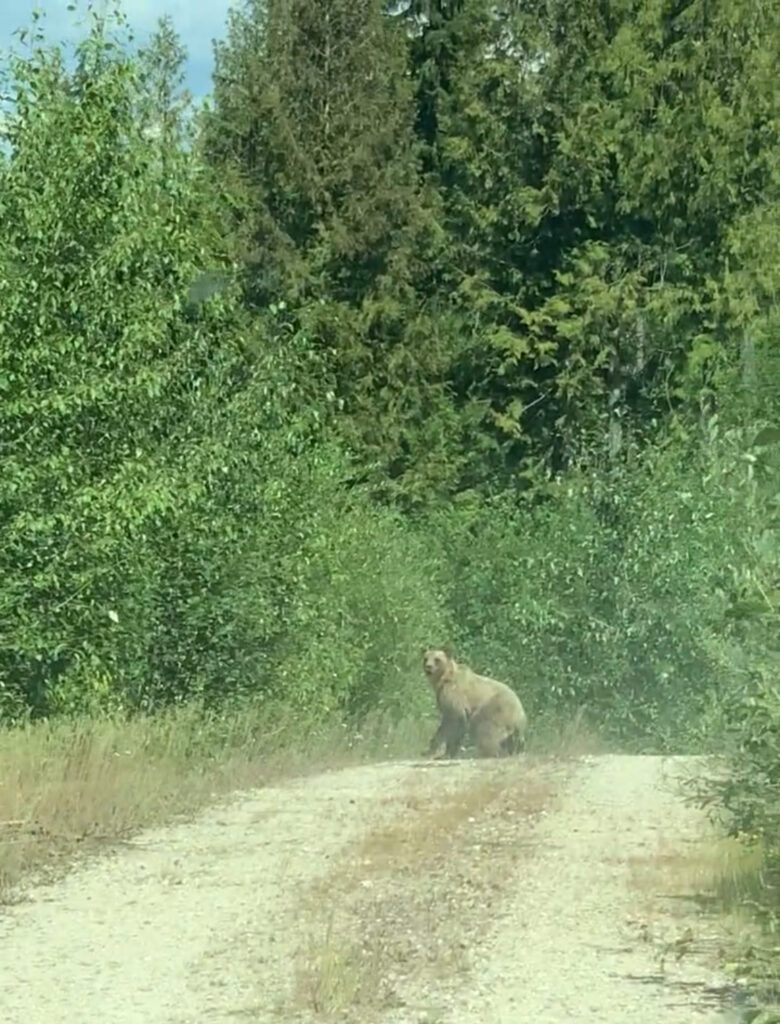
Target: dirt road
<point x="469" y="892"/>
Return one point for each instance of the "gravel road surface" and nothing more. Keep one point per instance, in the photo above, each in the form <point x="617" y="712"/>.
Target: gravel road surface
<point x="470" y="892"/>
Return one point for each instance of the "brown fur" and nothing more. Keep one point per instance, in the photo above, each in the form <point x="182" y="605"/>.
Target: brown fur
<point x="488" y="710"/>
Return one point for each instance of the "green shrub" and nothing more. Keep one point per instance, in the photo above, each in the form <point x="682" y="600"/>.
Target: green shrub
<point x="604" y="594"/>
<point x="326" y="603"/>
<point x="176" y="523"/>
<point x="748" y="648"/>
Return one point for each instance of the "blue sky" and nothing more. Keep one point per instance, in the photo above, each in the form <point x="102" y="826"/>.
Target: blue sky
<point x="196" y="21"/>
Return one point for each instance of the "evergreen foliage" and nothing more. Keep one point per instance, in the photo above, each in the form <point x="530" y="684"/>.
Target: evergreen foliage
<point x="592" y="161"/>
<point x="448" y="321"/>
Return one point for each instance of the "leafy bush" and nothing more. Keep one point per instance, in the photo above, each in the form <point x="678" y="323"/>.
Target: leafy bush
<point x="747" y="645"/>
<point x="362" y="596"/>
<point x="176" y="522"/>
<point x="604" y="592"/>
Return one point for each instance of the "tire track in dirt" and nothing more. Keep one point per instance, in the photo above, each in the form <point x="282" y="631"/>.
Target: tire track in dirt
<point x="398" y="893"/>
<point x="576" y="940"/>
<point x="185" y="923"/>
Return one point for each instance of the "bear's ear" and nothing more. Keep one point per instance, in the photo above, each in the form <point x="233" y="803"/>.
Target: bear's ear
<point x="448" y="652"/>
<point x="423" y="650"/>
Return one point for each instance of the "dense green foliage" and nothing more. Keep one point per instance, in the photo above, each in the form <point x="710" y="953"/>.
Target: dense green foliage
<point x="174" y="518"/>
<point x="455" y="324"/>
<point x="449" y="322"/>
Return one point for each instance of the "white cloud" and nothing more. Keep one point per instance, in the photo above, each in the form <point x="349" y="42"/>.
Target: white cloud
<point x="196" y="21"/>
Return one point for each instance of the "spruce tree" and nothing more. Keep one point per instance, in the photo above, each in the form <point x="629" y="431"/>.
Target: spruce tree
<point x="591" y="161"/>
<point x="313" y="123"/>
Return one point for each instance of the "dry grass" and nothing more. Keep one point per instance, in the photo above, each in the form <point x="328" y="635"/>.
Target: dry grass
<point x="697" y="901"/>
<point x="333" y="975"/>
<point x="69" y="787"/>
<point x="712" y="870"/>
<point x="716" y="892"/>
<point x="426" y="822"/>
<point x="573" y="737"/>
<point x="725" y="878"/>
<point x="415" y="894"/>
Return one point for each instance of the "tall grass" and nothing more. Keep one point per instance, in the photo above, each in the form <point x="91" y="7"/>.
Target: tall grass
<point x="72" y="785"/>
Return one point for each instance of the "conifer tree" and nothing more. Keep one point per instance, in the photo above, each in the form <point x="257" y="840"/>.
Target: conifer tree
<point x="313" y="122"/>
<point x="591" y="160"/>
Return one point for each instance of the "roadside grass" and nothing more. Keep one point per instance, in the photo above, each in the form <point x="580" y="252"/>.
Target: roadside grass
<point x="70" y="787"/>
<point x="566" y="737"/>
<point x="716" y="873"/>
<point x="723" y="879"/>
<point x="736" y="877"/>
